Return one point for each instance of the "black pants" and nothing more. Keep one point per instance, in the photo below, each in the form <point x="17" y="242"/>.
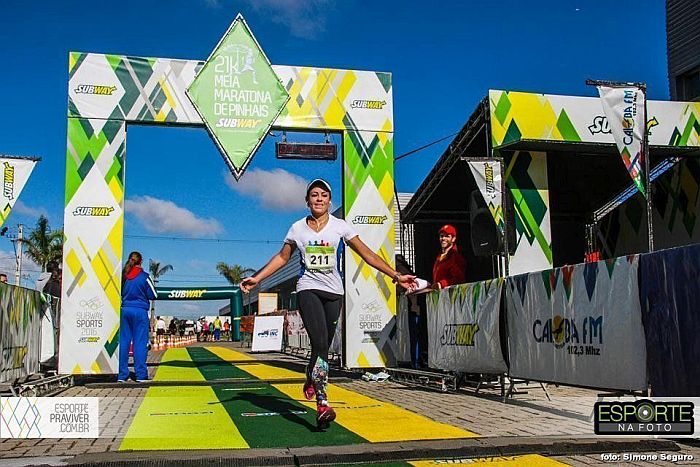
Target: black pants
<point x="319" y="311"/>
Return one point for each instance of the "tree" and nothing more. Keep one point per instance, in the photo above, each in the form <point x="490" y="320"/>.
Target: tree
<point x="233" y="273"/>
<point x="156" y="271"/>
<point x="43" y="244"/>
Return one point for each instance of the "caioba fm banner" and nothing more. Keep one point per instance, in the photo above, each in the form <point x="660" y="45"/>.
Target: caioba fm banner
<point x="15" y="173"/>
<point x="624" y="108"/>
<point x="579" y="325"/>
<point x="463" y="332"/>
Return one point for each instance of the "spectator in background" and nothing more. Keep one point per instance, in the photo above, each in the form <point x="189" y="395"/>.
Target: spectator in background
<point x="198" y="329"/>
<point x="3" y="277"/>
<point x="217" y="329"/>
<point x="227" y="330"/>
<point x="49" y="282"/>
<point x="160" y="329"/>
<point x="449" y="268"/>
<point x="181" y="327"/>
<point x="205" y="330"/>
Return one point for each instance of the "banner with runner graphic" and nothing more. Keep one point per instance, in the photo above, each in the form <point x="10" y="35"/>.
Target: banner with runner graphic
<point x="463" y="331"/>
<point x="238" y="95"/>
<point x="579" y="325"/>
<point x="487" y="175"/>
<point x="624" y="109"/>
<point x="15" y="173"/>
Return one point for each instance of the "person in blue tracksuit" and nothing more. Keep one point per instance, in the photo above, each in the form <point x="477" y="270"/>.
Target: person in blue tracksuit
<point x="137" y="291"/>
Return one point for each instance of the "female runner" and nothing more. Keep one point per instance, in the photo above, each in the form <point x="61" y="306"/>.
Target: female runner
<point x="320" y="288"/>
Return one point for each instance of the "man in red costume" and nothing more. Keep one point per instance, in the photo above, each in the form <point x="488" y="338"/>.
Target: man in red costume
<point x="449" y="267"/>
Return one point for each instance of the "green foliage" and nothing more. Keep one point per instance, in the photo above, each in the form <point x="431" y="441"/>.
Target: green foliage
<point x="156" y="270"/>
<point x="233" y="273"/>
<point x="43" y="244"/>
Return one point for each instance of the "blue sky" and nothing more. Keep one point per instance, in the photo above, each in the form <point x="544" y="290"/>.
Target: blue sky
<point x="444" y="57"/>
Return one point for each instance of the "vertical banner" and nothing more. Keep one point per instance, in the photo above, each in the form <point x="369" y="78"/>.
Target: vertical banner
<point x="15" y="173"/>
<point x="370" y="296"/>
<point x="93" y="223"/>
<point x="463" y="332"/>
<point x="487" y="175"/>
<point x="624" y="109"/>
<point x="579" y="325"/>
<point x="526" y="178"/>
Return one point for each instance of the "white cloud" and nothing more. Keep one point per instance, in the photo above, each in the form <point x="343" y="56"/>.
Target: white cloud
<point x="199" y="265"/>
<point x="162" y="216"/>
<point x="8" y="265"/>
<point x="304" y="18"/>
<point x="277" y="189"/>
<point x="22" y="208"/>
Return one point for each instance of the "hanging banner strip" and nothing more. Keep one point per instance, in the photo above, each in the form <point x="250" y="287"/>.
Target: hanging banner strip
<point x="624" y="109"/>
<point x="488" y="178"/>
<point x="15" y="173"/>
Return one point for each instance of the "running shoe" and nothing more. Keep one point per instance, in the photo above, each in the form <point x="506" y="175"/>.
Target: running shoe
<point x="309" y="391"/>
<point x="324" y="416"/>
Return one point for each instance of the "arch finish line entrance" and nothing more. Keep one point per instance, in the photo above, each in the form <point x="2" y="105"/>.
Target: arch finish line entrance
<point x="107" y="93"/>
<point x="232" y="294"/>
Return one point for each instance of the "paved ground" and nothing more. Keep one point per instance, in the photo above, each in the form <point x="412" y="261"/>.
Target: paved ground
<point x="528" y="423"/>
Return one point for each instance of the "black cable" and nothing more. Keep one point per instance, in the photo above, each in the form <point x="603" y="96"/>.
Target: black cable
<point x="423" y="147"/>
<point x="200" y="239"/>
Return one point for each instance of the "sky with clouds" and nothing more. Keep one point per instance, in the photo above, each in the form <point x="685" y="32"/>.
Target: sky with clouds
<point x="443" y="56"/>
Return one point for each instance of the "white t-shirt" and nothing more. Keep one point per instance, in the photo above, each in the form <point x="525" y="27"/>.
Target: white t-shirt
<point x="160" y="324"/>
<point x="319" y="253"/>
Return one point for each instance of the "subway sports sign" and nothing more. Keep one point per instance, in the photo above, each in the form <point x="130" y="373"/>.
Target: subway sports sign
<point x="238" y="95"/>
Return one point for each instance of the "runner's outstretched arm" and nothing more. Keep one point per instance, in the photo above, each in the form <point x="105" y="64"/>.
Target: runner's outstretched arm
<point x="406" y="281"/>
<point x="276" y="262"/>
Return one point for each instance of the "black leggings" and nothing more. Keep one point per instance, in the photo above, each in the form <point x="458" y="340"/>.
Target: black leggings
<point x="319" y="311"/>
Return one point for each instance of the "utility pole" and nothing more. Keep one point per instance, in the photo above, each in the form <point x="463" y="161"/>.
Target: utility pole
<point x="18" y="255"/>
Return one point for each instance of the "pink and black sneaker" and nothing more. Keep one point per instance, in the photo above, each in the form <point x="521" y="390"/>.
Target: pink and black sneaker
<point x="309" y="391"/>
<point x="324" y="415"/>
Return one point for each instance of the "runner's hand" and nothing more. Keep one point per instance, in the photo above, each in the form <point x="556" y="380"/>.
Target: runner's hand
<point x="407" y="281"/>
<point x="248" y="284"/>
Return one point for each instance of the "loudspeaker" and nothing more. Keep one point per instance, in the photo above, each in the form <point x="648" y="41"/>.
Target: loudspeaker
<point x="510" y="222"/>
<point x="483" y="231"/>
